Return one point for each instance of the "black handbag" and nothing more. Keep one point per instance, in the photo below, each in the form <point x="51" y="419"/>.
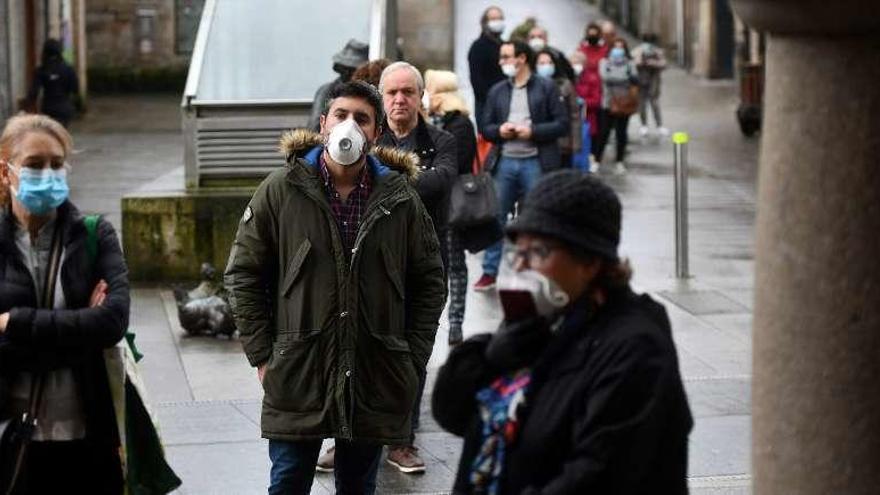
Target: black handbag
<point x="472" y="200"/>
<point x="480" y="237"/>
<point x="17" y="433"/>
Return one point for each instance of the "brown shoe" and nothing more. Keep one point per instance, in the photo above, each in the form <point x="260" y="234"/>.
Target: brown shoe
<point x="325" y="462"/>
<point x="406" y="459"/>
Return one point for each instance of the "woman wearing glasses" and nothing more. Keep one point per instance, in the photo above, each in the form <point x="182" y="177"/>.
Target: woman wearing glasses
<point x="579" y="390"/>
<point x="59" y="309"/>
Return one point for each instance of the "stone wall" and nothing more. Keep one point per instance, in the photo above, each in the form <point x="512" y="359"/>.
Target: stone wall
<point x="427" y="32"/>
<point x="167" y="237"/>
<point x="125" y="33"/>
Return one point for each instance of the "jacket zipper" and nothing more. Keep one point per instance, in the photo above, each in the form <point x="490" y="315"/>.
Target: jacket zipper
<point x="362" y="232"/>
<point x="374" y="216"/>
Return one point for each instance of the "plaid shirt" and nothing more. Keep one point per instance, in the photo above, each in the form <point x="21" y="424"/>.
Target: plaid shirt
<point x="348" y="214"/>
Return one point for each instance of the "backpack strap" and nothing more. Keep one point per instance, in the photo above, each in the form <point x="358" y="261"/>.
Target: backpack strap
<point x="91" y="222"/>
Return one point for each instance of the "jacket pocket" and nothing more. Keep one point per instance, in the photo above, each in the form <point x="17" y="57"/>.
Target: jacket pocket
<point x="294" y="376"/>
<point x="388" y="378"/>
<point x="295" y="267"/>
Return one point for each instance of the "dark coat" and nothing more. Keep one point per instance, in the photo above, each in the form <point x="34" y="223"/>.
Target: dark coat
<point x="462" y="130"/>
<point x="42" y="339"/>
<point x="484" y="69"/>
<point x="548" y="113"/>
<point x="59" y="85"/>
<point x="438" y="168"/>
<point x="344" y="342"/>
<point x="606" y="411"/>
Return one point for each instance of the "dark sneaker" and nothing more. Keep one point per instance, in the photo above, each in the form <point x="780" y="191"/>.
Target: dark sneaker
<point x="325" y="462"/>
<point x="406" y="459"/>
<point x="486" y="282"/>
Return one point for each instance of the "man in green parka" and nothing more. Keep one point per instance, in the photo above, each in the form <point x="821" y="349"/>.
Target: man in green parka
<point x="337" y="287"/>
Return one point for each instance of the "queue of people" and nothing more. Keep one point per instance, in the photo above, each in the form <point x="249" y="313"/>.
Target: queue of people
<point x="569" y="289"/>
<point x="341" y="267"/>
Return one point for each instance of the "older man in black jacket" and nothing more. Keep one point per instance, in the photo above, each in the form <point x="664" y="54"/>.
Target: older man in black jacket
<point x="524" y="117"/>
<point x="402" y="88"/>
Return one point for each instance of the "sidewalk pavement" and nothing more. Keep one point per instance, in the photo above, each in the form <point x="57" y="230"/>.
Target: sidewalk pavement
<point x="208" y="399"/>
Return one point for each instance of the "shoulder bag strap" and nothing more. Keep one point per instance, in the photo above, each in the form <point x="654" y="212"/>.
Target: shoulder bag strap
<point x="47" y="301"/>
<point x="91" y="222"/>
<point x="29" y="419"/>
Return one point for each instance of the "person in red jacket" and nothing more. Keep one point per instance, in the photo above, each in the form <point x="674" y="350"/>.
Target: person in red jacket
<point x="589" y="84"/>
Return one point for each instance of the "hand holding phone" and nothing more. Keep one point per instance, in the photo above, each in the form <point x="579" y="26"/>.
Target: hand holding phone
<point x="517" y="304"/>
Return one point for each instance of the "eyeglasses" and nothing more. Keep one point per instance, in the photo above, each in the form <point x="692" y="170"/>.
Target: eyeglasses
<point x="534" y="255"/>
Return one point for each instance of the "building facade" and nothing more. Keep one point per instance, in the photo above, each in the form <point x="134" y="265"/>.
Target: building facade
<point x="702" y="35"/>
<point x="24" y="27"/>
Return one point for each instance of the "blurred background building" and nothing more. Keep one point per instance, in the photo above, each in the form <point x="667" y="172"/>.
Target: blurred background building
<point x="24" y="28"/>
<point x="146" y="45"/>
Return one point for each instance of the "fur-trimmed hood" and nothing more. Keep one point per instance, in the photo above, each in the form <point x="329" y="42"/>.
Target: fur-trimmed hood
<point x="300" y="142"/>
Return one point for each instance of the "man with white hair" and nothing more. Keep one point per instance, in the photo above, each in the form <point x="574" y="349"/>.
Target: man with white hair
<point x="402" y="87"/>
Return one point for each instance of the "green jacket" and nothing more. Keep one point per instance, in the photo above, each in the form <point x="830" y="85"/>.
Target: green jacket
<point x="344" y="342"/>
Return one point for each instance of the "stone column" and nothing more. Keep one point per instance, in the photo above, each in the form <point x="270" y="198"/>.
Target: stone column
<point x="816" y="382"/>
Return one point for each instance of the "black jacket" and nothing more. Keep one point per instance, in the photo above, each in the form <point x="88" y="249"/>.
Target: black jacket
<point x="548" y="113"/>
<point x="484" y="69"/>
<point x="58" y="82"/>
<point x="438" y="168"/>
<point x="606" y="411"/>
<point x="462" y="130"/>
<point x="40" y="339"/>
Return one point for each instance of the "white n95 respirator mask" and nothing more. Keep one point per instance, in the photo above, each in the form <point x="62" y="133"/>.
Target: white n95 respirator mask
<point x="346" y="143"/>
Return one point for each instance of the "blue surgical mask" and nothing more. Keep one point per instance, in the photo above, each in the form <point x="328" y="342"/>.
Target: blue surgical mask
<point x="40" y="191"/>
<point x="617" y="53"/>
<point x="546" y="70"/>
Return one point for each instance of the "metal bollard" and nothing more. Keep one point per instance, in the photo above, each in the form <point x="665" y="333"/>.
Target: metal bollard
<point x="680" y="141"/>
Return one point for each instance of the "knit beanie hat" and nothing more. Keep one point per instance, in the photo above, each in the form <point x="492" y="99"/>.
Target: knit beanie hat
<point x="575" y="208"/>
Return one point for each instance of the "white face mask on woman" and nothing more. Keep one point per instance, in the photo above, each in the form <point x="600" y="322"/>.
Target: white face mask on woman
<point x="509" y="70"/>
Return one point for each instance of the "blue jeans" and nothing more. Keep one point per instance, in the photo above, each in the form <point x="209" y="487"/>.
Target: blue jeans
<point x="514" y="177"/>
<point x="293" y="467"/>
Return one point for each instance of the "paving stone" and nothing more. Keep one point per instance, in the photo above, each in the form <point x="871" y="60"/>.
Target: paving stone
<point x="720" y="446"/>
<point x="161" y="367"/>
<point x="704" y="302"/>
<point x="723" y="396"/>
<point x="221" y="468"/>
<point x="250" y="408"/>
<point x="445" y="447"/>
<point x="185" y="423"/>
<point x="438" y="478"/>
<point x="738" y="326"/>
